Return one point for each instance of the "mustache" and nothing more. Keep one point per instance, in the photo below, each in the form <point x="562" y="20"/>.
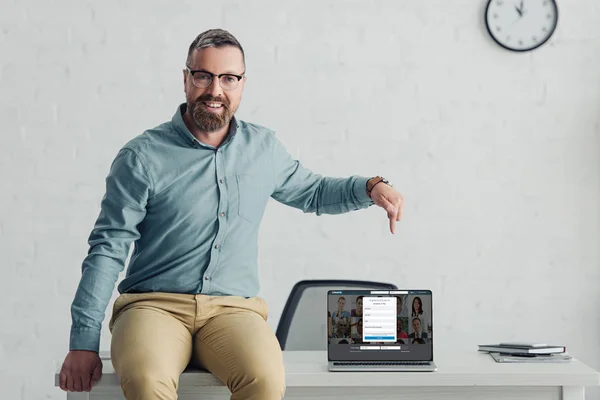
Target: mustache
<point x="208" y="98"/>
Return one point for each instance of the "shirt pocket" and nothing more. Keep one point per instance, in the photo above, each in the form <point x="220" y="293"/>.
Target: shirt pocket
<point x="253" y="193"/>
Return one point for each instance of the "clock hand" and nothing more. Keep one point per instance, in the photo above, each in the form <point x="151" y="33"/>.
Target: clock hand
<point x="519" y="11"/>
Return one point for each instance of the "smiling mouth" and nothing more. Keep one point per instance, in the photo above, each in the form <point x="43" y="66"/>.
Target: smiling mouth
<point x="212" y="105"/>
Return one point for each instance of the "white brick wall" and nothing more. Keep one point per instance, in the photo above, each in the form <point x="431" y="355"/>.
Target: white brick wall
<point x="496" y="153"/>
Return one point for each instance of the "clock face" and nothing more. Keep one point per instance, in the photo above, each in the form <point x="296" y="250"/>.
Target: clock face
<point x="521" y="25"/>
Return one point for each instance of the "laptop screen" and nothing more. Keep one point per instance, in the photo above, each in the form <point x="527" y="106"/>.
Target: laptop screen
<point x="379" y="325"/>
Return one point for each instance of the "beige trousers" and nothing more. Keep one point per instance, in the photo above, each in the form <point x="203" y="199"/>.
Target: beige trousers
<point x="155" y="336"/>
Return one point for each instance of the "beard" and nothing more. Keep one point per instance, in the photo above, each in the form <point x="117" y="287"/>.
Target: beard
<point x="207" y="121"/>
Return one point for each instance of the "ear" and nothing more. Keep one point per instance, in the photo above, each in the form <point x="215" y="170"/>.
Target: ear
<point x="185" y="75"/>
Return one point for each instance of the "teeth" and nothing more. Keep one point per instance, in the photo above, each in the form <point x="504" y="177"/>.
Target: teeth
<point x="213" y="105"/>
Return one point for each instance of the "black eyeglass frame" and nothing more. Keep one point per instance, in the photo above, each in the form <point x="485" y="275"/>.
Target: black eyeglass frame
<point x="212" y="76"/>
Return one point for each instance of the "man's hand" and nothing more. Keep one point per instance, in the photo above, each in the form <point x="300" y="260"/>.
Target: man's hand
<point x="391" y="201"/>
<point x="80" y="371"/>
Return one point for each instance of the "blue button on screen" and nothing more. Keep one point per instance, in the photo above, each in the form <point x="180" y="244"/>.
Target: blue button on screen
<point x="376" y="338"/>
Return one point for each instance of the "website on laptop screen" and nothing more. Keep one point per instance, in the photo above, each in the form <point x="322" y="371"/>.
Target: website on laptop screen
<point x="380" y="325"/>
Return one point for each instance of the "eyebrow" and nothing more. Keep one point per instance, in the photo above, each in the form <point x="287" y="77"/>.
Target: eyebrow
<point x="204" y="70"/>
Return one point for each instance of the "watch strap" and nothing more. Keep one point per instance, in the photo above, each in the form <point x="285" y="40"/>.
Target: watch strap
<point x="372" y="182"/>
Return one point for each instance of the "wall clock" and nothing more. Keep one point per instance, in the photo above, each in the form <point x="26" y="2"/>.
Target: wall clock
<point x="521" y="25"/>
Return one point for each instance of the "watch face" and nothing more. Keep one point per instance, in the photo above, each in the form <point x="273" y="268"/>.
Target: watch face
<point x="521" y="25"/>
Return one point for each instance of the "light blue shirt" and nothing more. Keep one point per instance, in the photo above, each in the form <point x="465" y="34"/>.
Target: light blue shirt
<point x="193" y="212"/>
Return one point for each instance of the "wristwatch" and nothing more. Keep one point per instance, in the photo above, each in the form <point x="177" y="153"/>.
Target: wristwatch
<point x="374" y="181"/>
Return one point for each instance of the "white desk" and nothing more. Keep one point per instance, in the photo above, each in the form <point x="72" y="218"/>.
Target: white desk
<point x="469" y="375"/>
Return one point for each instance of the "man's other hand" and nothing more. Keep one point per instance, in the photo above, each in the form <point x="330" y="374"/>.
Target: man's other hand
<point x="80" y="371"/>
<point x="391" y="201"/>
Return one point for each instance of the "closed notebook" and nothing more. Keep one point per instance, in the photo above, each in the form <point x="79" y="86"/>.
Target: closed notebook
<point x="523" y="344"/>
<point x="521" y="349"/>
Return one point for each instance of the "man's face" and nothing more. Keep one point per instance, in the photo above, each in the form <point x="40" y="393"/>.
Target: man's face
<point x="342" y="327"/>
<point x="212" y="108"/>
<point x="416" y="325"/>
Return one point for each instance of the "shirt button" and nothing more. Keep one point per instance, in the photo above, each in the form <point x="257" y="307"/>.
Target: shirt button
<point x="216" y="246"/>
<point x="222" y="214"/>
<point x="206" y="278"/>
<point x="221" y="180"/>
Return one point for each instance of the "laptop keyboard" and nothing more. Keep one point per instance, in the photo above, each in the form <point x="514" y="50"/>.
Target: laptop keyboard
<point x="370" y="363"/>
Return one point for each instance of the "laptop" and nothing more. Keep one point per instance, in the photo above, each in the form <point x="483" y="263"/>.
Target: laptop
<point x="380" y="330"/>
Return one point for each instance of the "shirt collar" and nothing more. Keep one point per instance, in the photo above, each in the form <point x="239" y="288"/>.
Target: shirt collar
<point x="185" y="133"/>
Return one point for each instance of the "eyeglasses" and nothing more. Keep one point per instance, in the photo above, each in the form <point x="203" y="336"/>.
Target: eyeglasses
<point x="203" y="79"/>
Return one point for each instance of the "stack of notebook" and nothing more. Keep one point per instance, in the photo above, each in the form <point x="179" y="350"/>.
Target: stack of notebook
<point x="525" y="352"/>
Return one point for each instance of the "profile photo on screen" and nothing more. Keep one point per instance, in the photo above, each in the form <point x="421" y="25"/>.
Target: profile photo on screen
<point x="420" y="307"/>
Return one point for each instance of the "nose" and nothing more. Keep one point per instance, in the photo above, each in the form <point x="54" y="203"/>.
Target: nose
<point x="215" y="89"/>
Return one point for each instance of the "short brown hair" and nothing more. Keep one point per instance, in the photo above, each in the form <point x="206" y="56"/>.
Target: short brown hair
<point x="214" y="38"/>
